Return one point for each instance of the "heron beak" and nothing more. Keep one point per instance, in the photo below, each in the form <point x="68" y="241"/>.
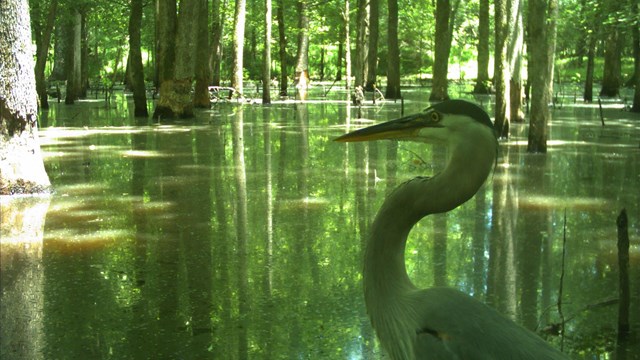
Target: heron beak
<point x="405" y="127"/>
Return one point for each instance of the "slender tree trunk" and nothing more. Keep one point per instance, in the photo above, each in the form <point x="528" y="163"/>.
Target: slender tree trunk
<point x="588" y="82"/>
<point x="60" y="48"/>
<point x="216" y="35"/>
<point x="393" y="63"/>
<point x="21" y="165"/>
<point x="340" y="56"/>
<point x="372" y="57"/>
<point x="347" y="44"/>
<point x="362" y="37"/>
<point x="238" y="45"/>
<point x="515" y="55"/>
<point x="636" y="51"/>
<point x="501" y="67"/>
<point x="136" y="70"/>
<point x="83" y="85"/>
<point x="302" y="57"/>
<point x="202" y="64"/>
<point x="482" y="82"/>
<point x="42" y="52"/>
<point x="442" y="47"/>
<point x="541" y="13"/>
<point x="282" y="48"/>
<point x="266" y="70"/>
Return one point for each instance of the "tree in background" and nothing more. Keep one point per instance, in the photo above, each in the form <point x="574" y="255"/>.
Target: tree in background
<point x="501" y="73"/>
<point x="302" y="78"/>
<point x="42" y="33"/>
<point x="542" y="28"/>
<point x="239" y="20"/>
<point x="372" y="57"/>
<point x="21" y="165"/>
<point x="613" y="44"/>
<point x="266" y="71"/>
<point x="202" y="57"/>
<point x="362" y="42"/>
<point x="136" y="70"/>
<point x="482" y="81"/>
<point x="442" y="49"/>
<point x="393" y="63"/>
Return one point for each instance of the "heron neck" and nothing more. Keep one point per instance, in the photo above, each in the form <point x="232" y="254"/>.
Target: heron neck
<point x="385" y="276"/>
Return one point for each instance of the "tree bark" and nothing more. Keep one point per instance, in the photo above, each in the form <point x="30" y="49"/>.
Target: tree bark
<point x="541" y="14"/>
<point x="21" y="165"/>
<point x="501" y="67"/>
<point x="202" y="64"/>
<point x="372" y="57"/>
<point x="393" y="63"/>
<point x="266" y="66"/>
<point x="611" y="78"/>
<point x="442" y="47"/>
<point x="588" y="82"/>
<point x="136" y="70"/>
<point x="636" y="46"/>
<point x="238" y="45"/>
<point x="73" y="61"/>
<point x="216" y="46"/>
<point x="42" y="52"/>
<point x="482" y="82"/>
<point x="166" y="21"/>
<point x="361" y="43"/>
<point x="302" y="57"/>
<point x="282" y="48"/>
<point x="347" y="44"/>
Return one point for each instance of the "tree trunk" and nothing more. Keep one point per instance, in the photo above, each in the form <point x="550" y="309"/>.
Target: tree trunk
<point x="393" y="63"/>
<point x="501" y="67"/>
<point x="588" y="82"/>
<point x="266" y="70"/>
<point x="372" y="57"/>
<point x="302" y="57"/>
<point x="83" y="86"/>
<point x="611" y="78"/>
<point x="515" y="55"/>
<point x="442" y="48"/>
<point x="238" y="45"/>
<point x="136" y="70"/>
<point x="482" y="82"/>
<point x="282" y="48"/>
<point x="21" y="165"/>
<point x="347" y="44"/>
<point x="636" y="51"/>
<point x="166" y="21"/>
<point x="175" y="93"/>
<point x="202" y="70"/>
<point x="61" y="43"/>
<point x="42" y="53"/>
<point x="540" y="77"/>
<point x="361" y="42"/>
<point x="216" y="46"/>
<point x="73" y="60"/>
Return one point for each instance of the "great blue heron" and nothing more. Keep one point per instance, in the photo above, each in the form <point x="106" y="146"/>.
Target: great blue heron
<point x="439" y="322"/>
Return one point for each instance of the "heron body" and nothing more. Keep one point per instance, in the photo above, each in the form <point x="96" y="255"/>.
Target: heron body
<point x="439" y="322"/>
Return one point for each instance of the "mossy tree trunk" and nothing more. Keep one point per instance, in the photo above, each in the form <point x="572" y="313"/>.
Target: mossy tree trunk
<point x="201" y="97"/>
<point x="21" y="165"/>
<point x="611" y="77"/>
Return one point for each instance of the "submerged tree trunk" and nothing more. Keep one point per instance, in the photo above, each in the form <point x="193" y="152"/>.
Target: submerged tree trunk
<point x="372" y="57"/>
<point x="611" y="78"/>
<point x="482" y="82"/>
<point x="202" y="69"/>
<point x="439" y="90"/>
<point x="136" y="70"/>
<point x="362" y="36"/>
<point x="541" y="14"/>
<point x="166" y="20"/>
<point x="347" y="44"/>
<point x="501" y="73"/>
<point x="21" y="165"/>
<point x="266" y="62"/>
<point x="393" y="63"/>
<point x="238" y="45"/>
<point x="515" y="55"/>
<point x="175" y="93"/>
<point x="302" y="57"/>
<point x="216" y="36"/>
<point x="73" y="60"/>
<point x="42" y="52"/>
<point x="588" y="82"/>
<point x="282" y="49"/>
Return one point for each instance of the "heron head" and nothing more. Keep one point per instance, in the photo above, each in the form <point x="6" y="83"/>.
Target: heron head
<point x="438" y="123"/>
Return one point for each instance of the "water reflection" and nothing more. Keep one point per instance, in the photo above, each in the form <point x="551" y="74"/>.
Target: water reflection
<point x="239" y="235"/>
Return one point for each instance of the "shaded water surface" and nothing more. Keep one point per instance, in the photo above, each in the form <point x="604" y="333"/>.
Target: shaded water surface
<point x="239" y="234"/>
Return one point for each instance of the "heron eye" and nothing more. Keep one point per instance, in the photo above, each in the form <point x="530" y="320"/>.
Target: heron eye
<point x="435" y="117"/>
